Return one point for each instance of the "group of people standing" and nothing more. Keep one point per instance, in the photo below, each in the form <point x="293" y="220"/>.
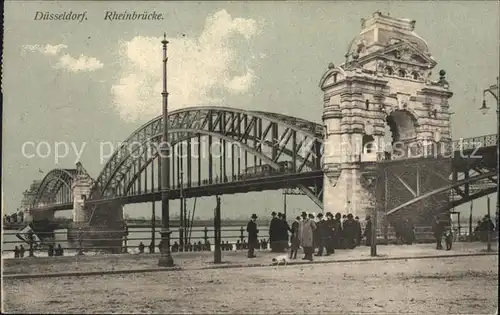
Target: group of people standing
<point x="51" y="251"/>
<point x="324" y="233"/>
<point x="278" y="232"/>
<point x="327" y="233"/>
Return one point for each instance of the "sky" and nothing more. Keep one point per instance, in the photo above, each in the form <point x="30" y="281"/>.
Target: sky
<point x="97" y="81"/>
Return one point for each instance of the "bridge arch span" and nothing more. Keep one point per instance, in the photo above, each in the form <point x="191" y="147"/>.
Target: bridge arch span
<point x="56" y="181"/>
<point x="269" y="137"/>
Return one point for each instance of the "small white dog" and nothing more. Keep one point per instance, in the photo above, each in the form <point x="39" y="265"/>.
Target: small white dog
<point x="281" y="259"/>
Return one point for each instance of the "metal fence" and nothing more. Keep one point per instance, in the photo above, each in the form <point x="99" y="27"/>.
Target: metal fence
<point x="423" y="234"/>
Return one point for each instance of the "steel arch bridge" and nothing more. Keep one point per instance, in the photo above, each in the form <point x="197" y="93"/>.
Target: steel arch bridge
<point x="287" y="150"/>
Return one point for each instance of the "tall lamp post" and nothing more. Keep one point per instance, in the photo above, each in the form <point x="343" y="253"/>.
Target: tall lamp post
<point x="494" y="91"/>
<point x="166" y="259"/>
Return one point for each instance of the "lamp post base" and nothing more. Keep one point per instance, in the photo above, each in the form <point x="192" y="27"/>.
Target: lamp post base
<point x="166" y="259"/>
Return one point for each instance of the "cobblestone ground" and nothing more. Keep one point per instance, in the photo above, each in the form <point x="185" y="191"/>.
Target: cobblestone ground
<point x="466" y="285"/>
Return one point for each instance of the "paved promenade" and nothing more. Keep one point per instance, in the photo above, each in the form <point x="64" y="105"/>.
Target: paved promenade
<point x="458" y="285"/>
<point x="79" y="265"/>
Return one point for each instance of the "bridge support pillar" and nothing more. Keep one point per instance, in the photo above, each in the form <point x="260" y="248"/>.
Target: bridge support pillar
<point x="81" y="190"/>
<point x="104" y="230"/>
<point x="35" y="216"/>
<point x="344" y="192"/>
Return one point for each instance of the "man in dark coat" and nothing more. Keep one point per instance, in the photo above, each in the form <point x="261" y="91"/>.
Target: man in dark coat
<point x="281" y="234"/>
<point x="399" y="229"/>
<point x="273" y="231"/>
<point x="350" y="232"/>
<point x="331" y="225"/>
<point x="359" y="231"/>
<point x="408" y="232"/>
<point x="368" y="231"/>
<point x="294" y="238"/>
<point x="438" y="229"/>
<point x="339" y="233"/>
<point x="323" y="235"/>
<point x="253" y="238"/>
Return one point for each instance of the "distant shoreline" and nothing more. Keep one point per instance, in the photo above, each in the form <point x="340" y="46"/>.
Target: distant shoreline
<point x="146" y="224"/>
<point x="138" y="223"/>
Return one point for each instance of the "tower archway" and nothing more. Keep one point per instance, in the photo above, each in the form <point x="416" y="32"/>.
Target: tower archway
<point x="400" y="132"/>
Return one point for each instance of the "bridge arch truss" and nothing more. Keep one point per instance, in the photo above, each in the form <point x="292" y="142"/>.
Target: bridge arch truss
<point x="55" y="188"/>
<point x="214" y="145"/>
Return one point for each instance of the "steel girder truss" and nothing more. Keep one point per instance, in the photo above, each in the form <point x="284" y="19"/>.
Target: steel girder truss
<point x="478" y="175"/>
<point x="473" y="193"/>
<point x="403" y="181"/>
<point x="268" y="137"/>
<point x="470" y="177"/>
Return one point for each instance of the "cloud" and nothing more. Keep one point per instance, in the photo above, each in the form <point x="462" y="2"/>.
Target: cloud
<point x="201" y="69"/>
<point x="47" y="49"/>
<point x="240" y="84"/>
<point x="83" y="63"/>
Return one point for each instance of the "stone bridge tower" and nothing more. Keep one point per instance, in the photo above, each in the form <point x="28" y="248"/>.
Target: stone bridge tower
<point x="81" y="191"/>
<point x="383" y="88"/>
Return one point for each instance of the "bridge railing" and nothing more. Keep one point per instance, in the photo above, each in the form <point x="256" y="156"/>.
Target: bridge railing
<point x="233" y="238"/>
<point x="475" y="142"/>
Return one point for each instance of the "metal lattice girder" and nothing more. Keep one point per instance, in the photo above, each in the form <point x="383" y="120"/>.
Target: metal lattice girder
<point x="281" y="135"/>
<point x="472" y="175"/>
<point x="453" y="203"/>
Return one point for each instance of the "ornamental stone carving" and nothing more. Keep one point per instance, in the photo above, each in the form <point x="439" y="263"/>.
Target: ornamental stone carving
<point x="403" y="100"/>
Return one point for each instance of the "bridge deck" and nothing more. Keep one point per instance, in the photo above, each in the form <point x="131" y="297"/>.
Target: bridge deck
<point x="222" y="188"/>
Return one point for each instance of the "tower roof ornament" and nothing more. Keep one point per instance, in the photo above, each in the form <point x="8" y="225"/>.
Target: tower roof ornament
<point x="380" y="31"/>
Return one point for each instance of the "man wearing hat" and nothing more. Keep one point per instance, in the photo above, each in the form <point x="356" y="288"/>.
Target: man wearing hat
<point x="358" y="235"/>
<point x="253" y="238"/>
<point x="368" y="231"/>
<point x="273" y="231"/>
<point x="306" y="232"/>
<point x="332" y="233"/>
<point x="350" y="231"/>
<point x="438" y="228"/>
<point x="338" y="241"/>
<point x="294" y="239"/>
<point x="281" y="233"/>
<point x="322" y="235"/>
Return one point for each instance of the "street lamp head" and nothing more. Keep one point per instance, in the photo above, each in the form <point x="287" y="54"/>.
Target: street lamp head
<point x="164" y="41"/>
<point x="484" y="108"/>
